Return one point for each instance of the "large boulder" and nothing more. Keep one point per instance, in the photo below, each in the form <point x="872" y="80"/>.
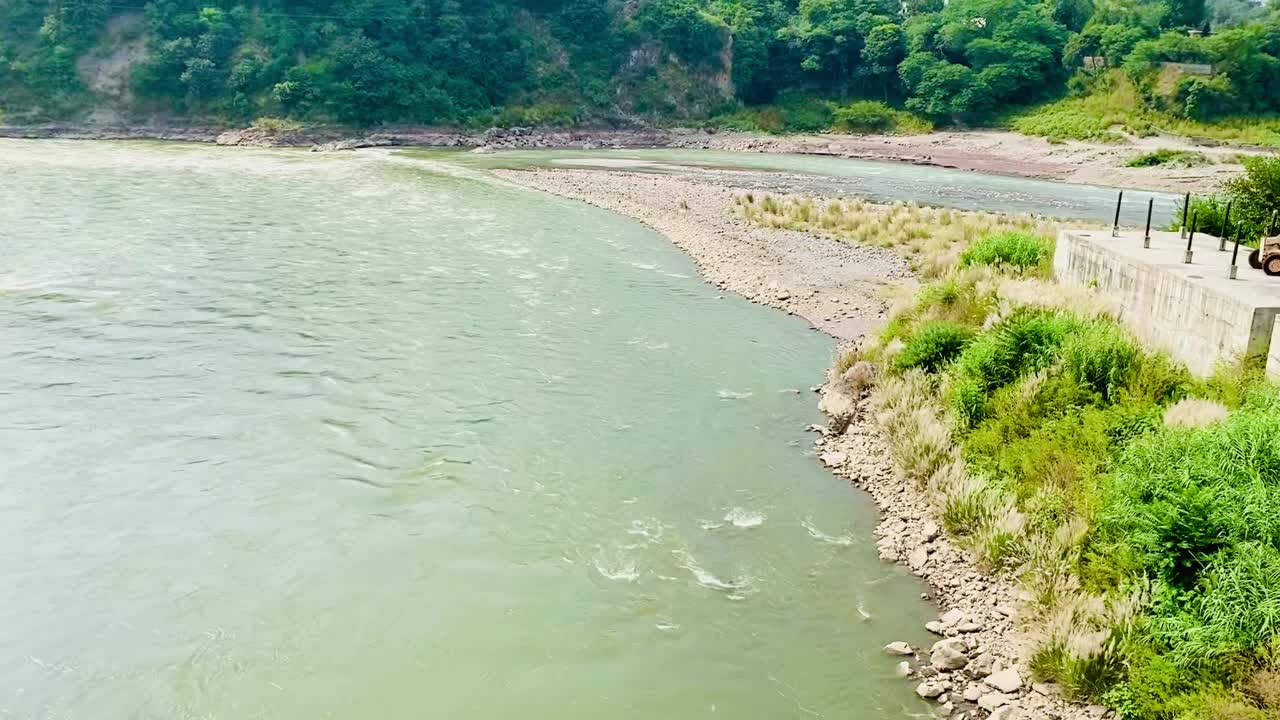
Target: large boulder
<point x="949" y="655"/>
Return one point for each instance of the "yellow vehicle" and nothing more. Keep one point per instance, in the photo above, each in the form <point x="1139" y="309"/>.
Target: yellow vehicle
<point x="1267" y="257"/>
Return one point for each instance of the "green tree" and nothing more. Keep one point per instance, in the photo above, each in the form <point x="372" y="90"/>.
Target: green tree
<point x="828" y="37"/>
<point x="977" y="55"/>
<point x="690" y="32"/>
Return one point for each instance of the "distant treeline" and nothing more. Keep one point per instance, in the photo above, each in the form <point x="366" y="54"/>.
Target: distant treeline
<point x="563" y="62"/>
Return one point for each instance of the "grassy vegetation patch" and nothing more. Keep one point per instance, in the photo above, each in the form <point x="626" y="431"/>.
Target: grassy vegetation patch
<point x="931" y="238"/>
<point x="1116" y="108"/>
<point x="1019" y="250"/>
<point x="1138" y="506"/>
<point x="1172" y="158"/>
<point x="806" y="114"/>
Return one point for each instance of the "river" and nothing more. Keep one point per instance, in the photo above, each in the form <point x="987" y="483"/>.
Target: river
<point x="287" y="435"/>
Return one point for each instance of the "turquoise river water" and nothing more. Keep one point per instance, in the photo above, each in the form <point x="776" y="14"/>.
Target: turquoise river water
<point x="287" y="435"/>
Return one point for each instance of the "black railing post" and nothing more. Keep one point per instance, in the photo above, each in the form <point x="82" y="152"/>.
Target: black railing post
<point x="1235" y="253"/>
<point x="1186" y="207"/>
<point x="1115" y="226"/>
<point x="1275" y="215"/>
<point x="1226" y="229"/>
<point x="1146" y="236"/>
<point x="1191" y="236"/>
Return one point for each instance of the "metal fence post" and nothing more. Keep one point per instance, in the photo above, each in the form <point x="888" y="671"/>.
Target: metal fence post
<point x="1186" y="206"/>
<point x="1226" y="229"/>
<point x="1115" y="226"/>
<point x="1234" y="254"/>
<point x="1146" y="236"/>
<point x="1191" y="236"/>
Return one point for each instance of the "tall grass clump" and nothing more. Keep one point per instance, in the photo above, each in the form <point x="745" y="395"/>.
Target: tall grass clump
<point x="933" y="346"/>
<point x="1023" y="343"/>
<point x="1018" y="250"/>
<point x="1198" y="512"/>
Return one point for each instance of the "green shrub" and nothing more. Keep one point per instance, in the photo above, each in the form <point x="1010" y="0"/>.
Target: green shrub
<point x="1166" y="156"/>
<point x="870" y="116"/>
<point x="1179" y="497"/>
<point x="933" y="346"/>
<point x="1027" y="341"/>
<point x="1208" y="214"/>
<point x="1013" y="249"/>
<point x="1255" y="194"/>
<point x="1101" y="357"/>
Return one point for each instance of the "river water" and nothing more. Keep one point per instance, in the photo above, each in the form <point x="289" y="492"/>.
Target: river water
<point x="878" y="181"/>
<point x="286" y="435"/>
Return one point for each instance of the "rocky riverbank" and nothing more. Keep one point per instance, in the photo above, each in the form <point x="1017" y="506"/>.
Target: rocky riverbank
<point x="974" y="669"/>
<point x="1000" y="152"/>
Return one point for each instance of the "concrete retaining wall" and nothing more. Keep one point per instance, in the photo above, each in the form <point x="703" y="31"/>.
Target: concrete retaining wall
<point x="1193" y="311"/>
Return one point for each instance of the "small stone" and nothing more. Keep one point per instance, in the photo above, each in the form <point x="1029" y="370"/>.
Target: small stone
<point x="1096" y="710"/>
<point x="973" y="692"/>
<point x="948" y="655"/>
<point x="1008" y="712"/>
<point x="968" y="627"/>
<point x="902" y="669"/>
<point x="928" y="690"/>
<point x="930" y="531"/>
<point x="1006" y="681"/>
<point x="898" y="648"/>
<point x="1043" y="688"/>
<point x="1004" y="610"/>
<point x="783" y="295"/>
<point x="951" y="617"/>
<point x="947" y="707"/>
<point x="944" y="698"/>
<point x="993" y="700"/>
<point x="934" y="627"/>
<point x="834" y="459"/>
<point x="918" y="558"/>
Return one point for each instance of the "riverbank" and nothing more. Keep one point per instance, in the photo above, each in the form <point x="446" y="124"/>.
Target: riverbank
<point x="840" y="288"/>
<point x="990" y="151"/>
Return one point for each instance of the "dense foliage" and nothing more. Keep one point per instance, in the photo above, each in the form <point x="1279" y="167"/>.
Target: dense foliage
<point x="1253" y="198"/>
<point x="561" y="62"/>
<point x="1138" y="505"/>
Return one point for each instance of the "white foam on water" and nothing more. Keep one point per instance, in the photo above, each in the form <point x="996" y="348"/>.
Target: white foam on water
<point x="863" y="613"/>
<point x="618" y="568"/>
<point x="648" y="528"/>
<point x="816" y="534"/>
<point x="739" y="588"/>
<point x="743" y="518"/>
<point x="733" y="394"/>
<point x="710" y="524"/>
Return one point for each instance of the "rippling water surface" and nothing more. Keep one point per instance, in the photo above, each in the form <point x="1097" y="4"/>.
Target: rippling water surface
<point x="286" y="435"/>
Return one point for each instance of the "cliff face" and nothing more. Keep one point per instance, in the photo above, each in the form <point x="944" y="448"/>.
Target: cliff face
<point x="498" y="62"/>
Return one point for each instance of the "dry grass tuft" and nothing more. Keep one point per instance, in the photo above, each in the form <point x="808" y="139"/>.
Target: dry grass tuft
<point x="932" y="238"/>
<point x="1195" y="413"/>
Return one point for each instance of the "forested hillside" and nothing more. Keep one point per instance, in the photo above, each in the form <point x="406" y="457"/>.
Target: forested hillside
<point x="758" y="64"/>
